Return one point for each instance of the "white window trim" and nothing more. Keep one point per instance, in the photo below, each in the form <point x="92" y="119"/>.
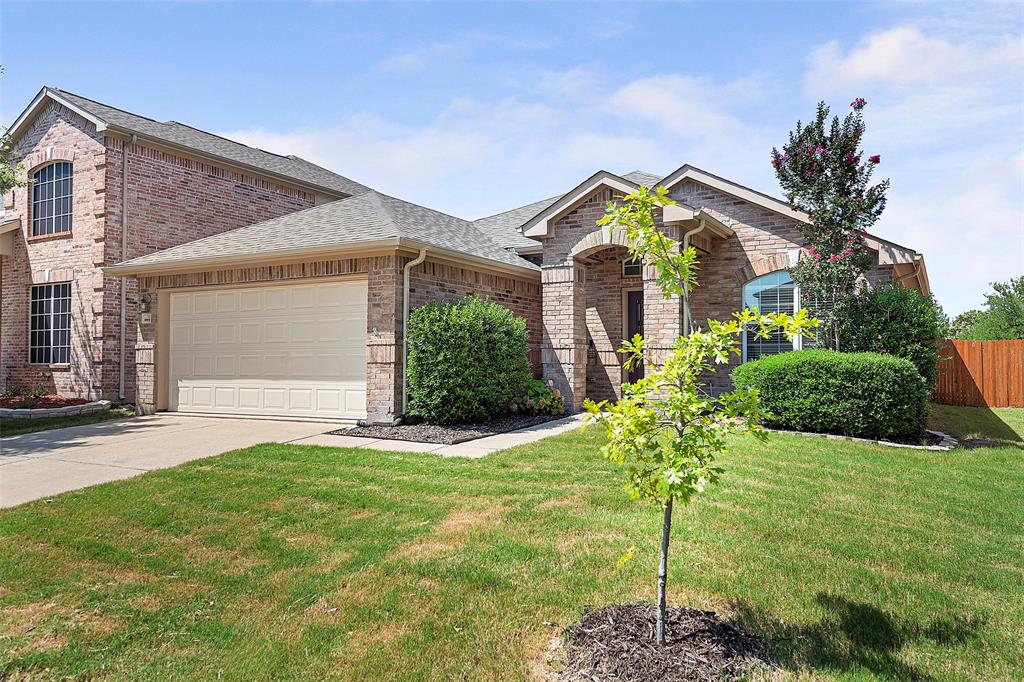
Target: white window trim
<point x="52" y="201"/>
<point x="798" y="340"/>
<point x="627" y="262"/>
<point x="52" y="328"/>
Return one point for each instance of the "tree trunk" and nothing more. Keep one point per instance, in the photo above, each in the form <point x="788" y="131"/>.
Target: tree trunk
<point x="666" y="528"/>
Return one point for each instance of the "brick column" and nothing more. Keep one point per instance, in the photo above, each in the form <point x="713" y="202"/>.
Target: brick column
<point x="662" y="317"/>
<point x="384" y="340"/>
<point x="564" y="348"/>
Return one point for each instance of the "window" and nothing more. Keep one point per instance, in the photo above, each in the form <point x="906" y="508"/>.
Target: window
<point x="632" y="268"/>
<point x="49" y="340"/>
<point x="771" y="293"/>
<point x="51" y="199"/>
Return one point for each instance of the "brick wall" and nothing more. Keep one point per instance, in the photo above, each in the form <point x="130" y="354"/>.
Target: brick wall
<point x="57" y="134"/>
<point x="431" y="280"/>
<point x="172" y="198"/>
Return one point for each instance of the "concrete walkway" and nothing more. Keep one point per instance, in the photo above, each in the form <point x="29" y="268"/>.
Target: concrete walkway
<point x="472" y="449"/>
<point x="45" y="463"/>
<point x="36" y="465"/>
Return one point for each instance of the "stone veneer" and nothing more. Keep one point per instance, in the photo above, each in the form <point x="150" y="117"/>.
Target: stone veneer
<point x="431" y="280"/>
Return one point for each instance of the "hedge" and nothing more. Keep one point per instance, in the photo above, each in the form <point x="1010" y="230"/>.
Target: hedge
<point x="468" y="360"/>
<point x="867" y="395"/>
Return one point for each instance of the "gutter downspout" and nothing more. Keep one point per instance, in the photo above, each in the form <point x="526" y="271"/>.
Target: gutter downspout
<point x="405" y="323"/>
<point x="686" y="291"/>
<point x="124" y="257"/>
<point x="913" y="273"/>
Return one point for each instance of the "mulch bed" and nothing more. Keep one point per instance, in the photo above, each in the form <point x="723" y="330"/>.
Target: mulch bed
<point x="45" y="402"/>
<point x="618" y="643"/>
<point x="449" y="435"/>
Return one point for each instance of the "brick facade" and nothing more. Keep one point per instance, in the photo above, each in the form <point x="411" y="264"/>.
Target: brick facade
<point x="172" y="198"/>
<point x="431" y="280"/>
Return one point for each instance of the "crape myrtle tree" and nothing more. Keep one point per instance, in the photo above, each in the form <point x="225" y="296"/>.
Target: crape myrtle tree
<point x="667" y="430"/>
<point x="822" y="172"/>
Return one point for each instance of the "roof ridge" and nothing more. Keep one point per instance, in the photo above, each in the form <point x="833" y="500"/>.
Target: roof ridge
<point x="103" y="104"/>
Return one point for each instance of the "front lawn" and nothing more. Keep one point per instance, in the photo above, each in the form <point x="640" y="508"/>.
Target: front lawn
<point x="14" y="427"/>
<point x="858" y="561"/>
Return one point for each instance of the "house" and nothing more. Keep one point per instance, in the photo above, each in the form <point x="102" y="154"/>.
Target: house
<point x="299" y="313"/>
<point x="89" y="169"/>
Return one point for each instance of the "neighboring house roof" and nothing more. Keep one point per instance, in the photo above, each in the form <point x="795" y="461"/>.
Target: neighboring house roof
<point x="192" y="139"/>
<point x="506" y="227"/>
<point x="370" y="219"/>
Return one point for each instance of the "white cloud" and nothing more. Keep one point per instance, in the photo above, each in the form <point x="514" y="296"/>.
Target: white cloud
<point x="904" y="56"/>
<point x="944" y="112"/>
<point x="418" y="59"/>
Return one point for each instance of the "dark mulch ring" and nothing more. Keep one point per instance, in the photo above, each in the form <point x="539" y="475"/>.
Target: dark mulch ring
<point x="617" y="643"/>
<point x="43" y="402"/>
<point x="449" y="435"/>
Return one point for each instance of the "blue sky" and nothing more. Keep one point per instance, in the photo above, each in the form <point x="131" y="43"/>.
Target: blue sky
<point x="476" y="108"/>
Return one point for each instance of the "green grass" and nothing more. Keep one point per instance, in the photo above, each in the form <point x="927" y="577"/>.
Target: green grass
<point x="14" y="427"/>
<point x="858" y="561"/>
<point x="990" y="425"/>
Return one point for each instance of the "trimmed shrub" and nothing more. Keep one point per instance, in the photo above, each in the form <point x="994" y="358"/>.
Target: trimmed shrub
<point x="867" y="395"/>
<point x="897" y="320"/>
<point x="469" y="360"/>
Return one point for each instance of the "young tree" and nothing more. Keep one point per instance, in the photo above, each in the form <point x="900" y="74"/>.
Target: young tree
<point x="667" y="431"/>
<point x="822" y="173"/>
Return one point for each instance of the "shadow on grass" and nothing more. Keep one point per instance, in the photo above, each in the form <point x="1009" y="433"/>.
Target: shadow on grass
<point x="855" y="636"/>
<point x="976" y="427"/>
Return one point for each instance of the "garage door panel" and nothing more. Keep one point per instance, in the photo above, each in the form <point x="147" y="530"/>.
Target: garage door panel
<point x="281" y="350"/>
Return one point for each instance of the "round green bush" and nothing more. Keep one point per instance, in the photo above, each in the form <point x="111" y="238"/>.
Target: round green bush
<point x="867" y="395"/>
<point x="469" y="360"/>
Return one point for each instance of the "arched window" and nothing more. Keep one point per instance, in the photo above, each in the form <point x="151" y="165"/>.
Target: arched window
<point x="52" y="199"/>
<point x="772" y="293"/>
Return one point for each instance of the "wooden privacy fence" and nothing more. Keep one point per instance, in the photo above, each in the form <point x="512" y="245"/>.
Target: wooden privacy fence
<point x="980" y="373"/>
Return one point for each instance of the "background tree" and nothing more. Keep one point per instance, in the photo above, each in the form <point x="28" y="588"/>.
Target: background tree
<point x="962" y="322"/>
<point x="1003" y="317"/>
<point x="667" y="430"/>
<point x="822" y="172"/>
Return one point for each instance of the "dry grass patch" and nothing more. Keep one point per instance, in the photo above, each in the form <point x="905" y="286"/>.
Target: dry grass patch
<point x="450" y="533"/>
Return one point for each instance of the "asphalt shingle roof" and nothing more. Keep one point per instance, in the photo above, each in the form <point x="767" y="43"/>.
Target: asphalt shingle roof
<point x="214" y="145"/>
<point x="504" y="227"/>
<point x="367" y="217"/>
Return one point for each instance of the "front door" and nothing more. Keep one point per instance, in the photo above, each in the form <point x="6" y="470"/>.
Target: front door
<point x="634" y="326"/>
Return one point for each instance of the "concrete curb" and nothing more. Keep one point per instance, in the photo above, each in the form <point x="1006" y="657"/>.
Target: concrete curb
<point x="947" y="442"/>
<point x="51" y="412"/>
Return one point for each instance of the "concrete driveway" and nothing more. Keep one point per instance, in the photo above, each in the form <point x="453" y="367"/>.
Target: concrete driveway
<point x="41" y="464"/>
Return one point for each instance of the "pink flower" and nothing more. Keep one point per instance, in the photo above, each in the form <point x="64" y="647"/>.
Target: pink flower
<point x="819" y="150"/>
<point x="863" y="233"/>
<point x="877" y="158"/>
<point x="847" y="252"/>
<point x="851" y="158"/>
<point x="858" y="103"/>
<point x="775" y="164"/>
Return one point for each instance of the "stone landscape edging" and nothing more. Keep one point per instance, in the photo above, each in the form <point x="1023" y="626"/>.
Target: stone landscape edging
<point x="51" y="412"/>
<point x="946" y="442"/>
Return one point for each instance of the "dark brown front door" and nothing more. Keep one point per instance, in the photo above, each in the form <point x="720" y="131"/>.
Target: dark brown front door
<point x="634" y="326"/>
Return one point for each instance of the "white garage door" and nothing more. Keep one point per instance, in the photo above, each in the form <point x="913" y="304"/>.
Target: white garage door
<point x="296" y="351"/>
